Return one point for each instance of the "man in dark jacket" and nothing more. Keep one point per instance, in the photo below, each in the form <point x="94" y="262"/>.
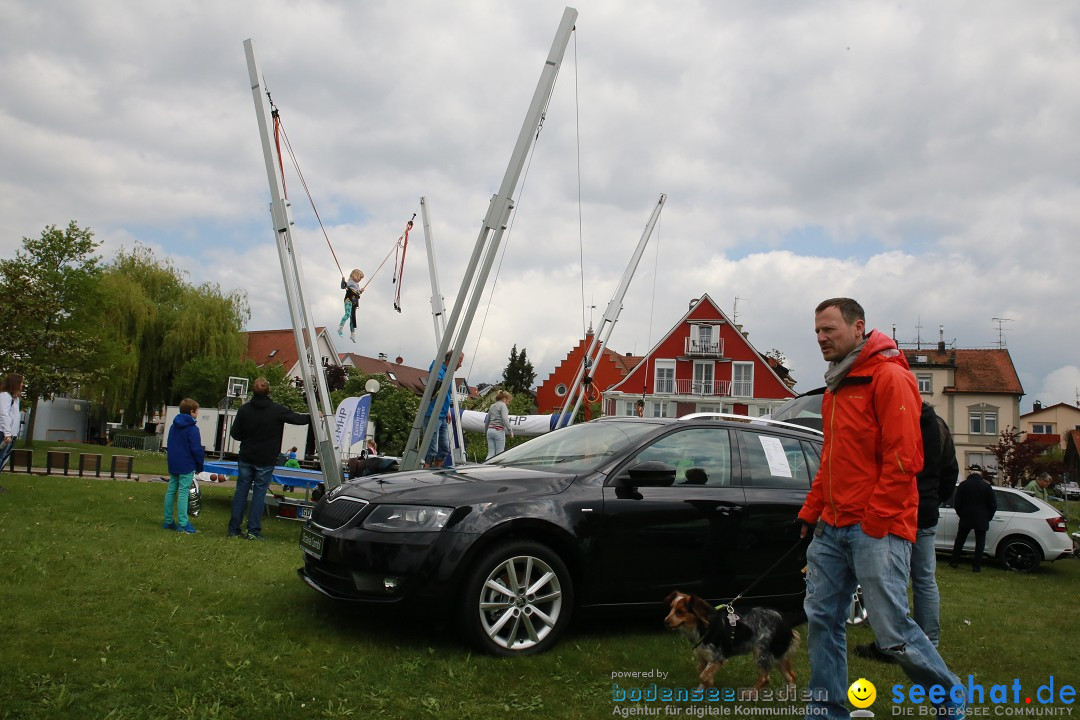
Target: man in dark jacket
<point x="975" y="505"/>
<point x="258" y="427"/>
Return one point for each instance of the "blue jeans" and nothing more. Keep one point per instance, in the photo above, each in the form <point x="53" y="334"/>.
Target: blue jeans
<point x="925" y="600"/>
<point x="5" y="452"/>
<point x="179" y="491"/>
<point x="439" y="447"/>
<point x="838" y="559"/>
<point x="257" y="478"/>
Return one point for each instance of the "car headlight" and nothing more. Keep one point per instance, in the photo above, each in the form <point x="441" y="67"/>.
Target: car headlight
<point x="407" y="518"/>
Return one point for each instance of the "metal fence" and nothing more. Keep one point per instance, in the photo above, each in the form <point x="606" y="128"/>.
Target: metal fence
<point x="151" y="443"/>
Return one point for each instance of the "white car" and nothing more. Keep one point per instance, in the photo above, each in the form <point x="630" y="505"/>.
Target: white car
<point x="1068" y="490"/>
<point x="1023" y="532"/>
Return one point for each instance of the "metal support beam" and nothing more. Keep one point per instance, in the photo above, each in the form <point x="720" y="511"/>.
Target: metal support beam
<point x="595" y="351"/>
<point x="438" y="315"/>
<point x="487" y="245"/>
<point x="307" y="341"/>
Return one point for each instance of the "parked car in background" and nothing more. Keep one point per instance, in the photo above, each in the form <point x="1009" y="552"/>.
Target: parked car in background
<point x="1024" y="531"/>
<point x="1070" y="491"/>
<point x="614" y="512"/>
<point x="802" y="410"/>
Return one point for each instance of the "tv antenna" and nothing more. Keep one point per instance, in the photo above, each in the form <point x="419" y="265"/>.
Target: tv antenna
<point x="735" y="310"/>
<point x="1001" y="330"/>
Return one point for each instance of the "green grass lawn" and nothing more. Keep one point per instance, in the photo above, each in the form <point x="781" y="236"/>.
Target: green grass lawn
<point x="105" y="615"/>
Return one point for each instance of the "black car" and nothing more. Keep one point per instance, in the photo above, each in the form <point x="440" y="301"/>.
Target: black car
<point x="614" y="512"/>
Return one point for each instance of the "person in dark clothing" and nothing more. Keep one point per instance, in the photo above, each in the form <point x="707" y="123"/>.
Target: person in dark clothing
<point x="935" y="482"/>
<point x="975" y="506"/>
<point x="258" y="427"/>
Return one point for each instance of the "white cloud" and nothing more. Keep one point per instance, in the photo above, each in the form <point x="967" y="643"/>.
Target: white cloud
<point x="920" y="157"/>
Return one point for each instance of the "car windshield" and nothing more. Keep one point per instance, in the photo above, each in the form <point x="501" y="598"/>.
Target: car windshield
<point x="576" y="448"/>
<point x="802" y="410"/>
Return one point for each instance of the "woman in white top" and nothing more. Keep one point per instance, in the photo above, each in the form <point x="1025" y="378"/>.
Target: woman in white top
<point x="10" y="392"/>
<point x="497" y="424"/>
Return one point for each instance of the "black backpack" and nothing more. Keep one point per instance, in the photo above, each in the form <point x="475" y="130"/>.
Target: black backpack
<point x="940" y="470"/>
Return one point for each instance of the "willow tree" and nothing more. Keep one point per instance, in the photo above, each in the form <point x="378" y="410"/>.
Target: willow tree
<point x="154" y="322"/>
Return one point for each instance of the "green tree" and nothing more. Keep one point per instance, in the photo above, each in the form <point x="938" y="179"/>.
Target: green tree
<point x="476" y="442"/>
<point x="48" y="292"/>
<point x="155" y="322"/>
<point x="393" y="409"/>
<point x="518" y="377"/>
<point x="1016" y="457"/>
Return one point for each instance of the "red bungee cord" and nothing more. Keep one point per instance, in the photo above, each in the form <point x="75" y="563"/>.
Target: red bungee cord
<point x="399" y="265"/>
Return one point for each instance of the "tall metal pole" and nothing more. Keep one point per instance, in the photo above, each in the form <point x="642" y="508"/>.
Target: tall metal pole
<point x="438" y="309"/>
<point x="487" y="245"/>
<point x="307" y="341"/>
<point x="607" y="323"/>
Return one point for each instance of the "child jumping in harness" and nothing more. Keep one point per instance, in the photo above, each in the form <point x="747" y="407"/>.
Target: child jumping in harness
<point x="352" y="296"/>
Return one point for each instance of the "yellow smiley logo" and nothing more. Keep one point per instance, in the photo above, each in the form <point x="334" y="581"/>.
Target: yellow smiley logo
<point x="862" y="693"/>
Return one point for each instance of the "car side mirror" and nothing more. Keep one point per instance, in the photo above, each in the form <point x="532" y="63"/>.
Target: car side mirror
<point x="650" y="473"/>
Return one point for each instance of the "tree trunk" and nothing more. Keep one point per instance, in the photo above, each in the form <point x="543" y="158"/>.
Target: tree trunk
<point x="28" y="440"/>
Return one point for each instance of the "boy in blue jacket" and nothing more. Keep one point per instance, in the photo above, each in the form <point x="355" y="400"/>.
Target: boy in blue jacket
<point x="185" y="459"/>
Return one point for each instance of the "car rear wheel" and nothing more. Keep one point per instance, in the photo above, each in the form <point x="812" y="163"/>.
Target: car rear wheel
<point x="1019" y="554"/>
<point x="517" y="600"/>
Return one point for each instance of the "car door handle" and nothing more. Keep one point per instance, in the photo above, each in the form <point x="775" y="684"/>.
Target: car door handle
<point x="729" y="509"/>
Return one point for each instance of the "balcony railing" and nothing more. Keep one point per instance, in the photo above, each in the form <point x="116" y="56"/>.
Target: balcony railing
<point x="697" y="348"/>
<point x="700" y="388"/>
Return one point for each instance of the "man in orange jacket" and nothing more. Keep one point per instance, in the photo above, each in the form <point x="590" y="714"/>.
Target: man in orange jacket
<point x="862" y="507"/>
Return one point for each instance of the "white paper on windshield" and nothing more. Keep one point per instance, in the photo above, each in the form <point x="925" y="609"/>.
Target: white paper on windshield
<point x="774" y="453"/>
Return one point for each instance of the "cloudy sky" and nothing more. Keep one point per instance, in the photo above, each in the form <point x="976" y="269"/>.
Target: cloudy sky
<point x="922" y="157"/>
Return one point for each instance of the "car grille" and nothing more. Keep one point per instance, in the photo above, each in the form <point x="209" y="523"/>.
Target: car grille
<point x="337" y="512"/>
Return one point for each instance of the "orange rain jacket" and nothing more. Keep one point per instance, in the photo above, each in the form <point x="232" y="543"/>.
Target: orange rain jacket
<point x="873" y="446"/>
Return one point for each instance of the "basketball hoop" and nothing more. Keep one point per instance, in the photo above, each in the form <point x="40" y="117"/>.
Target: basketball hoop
<point x="237" y="387"/>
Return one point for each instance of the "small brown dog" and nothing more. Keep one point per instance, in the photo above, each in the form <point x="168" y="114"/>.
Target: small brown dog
<point x="719" y="635"/>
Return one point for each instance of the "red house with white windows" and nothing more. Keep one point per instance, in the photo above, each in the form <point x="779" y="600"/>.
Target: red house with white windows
<point x="704" y="364"/>
<point x="610" y="369"/>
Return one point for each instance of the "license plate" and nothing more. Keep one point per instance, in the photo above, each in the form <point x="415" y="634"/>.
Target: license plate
<point x="311" y="542"/>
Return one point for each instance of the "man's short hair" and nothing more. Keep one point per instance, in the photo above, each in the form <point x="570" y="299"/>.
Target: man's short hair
<point x="849" y="309"/>
<point x="187" y="406"/>
<point x="261" y="386"/>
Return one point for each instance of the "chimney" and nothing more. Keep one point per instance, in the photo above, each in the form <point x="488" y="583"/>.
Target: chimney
<point x="941" y="339"/>
<point x="382" y="356"/>
<point x="693" y="302"/>
<point x="894" y="333"/>
<point x="1036" y="406"/>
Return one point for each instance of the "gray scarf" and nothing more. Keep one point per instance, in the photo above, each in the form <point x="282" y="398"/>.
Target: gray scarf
<point x="838" y="370"/>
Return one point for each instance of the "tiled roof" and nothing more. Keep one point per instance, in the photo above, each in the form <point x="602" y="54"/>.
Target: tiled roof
<point x="986" y="371"/>
<point x="410" y="378"/>
<point x="629" y="362"/>
<point x="977" y="371"/>
<point x="1048" y="408"/>
<point x="273" y="346"/>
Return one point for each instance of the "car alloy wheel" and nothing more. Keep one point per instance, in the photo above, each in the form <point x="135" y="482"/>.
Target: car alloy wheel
<point x="518" y="599"/>
<point x="1020" y="554"/>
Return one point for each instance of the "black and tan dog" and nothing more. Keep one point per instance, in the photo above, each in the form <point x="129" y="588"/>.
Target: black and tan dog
<point x="719" y="634"/>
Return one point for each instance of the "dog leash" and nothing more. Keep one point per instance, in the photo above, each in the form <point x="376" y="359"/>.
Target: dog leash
<point x="733" y="618"/>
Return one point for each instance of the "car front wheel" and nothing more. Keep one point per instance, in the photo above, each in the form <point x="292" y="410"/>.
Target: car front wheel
<point x="1020" y="554"/>
<point x="517" y="600"/>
